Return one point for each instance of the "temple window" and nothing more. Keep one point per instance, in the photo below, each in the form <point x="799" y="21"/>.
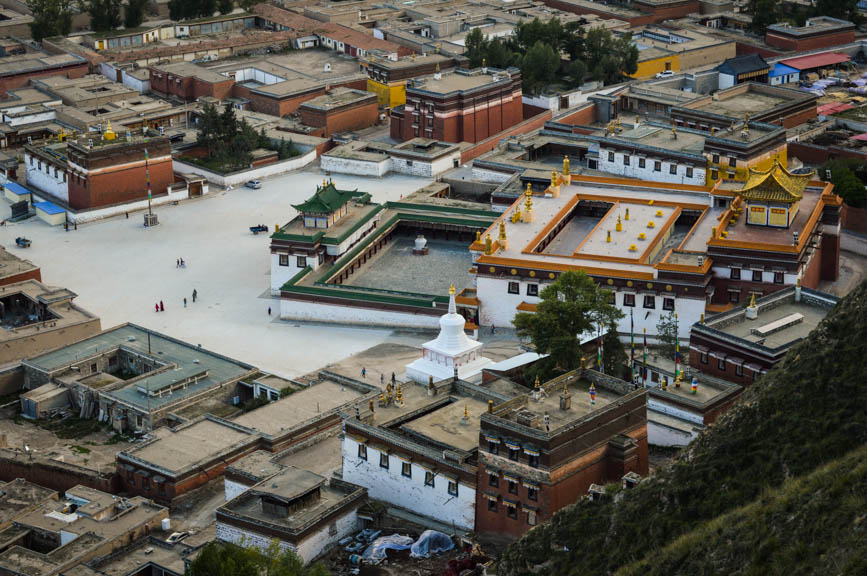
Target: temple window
<point x="492" y="505"/>
<point x="703" y="358"/>
<point x="735" y="274"/>
<point x="739" y="370"/>
<point x="657" y="166"/>
<point x="532" y="493"/>
<point x="514" y="288"/>
<point x="383" y="460"/>
<point x="714" y="175"/>
<point x="284" y="259"/>
<point x="715" y="158"/>
<point x="301" y="261"/>
<point x="493" y="479"/>
<point x="778" y="277"/>
<point x="512" y="512"/>
<point x="453" y="487"/>
<point x="650" y="302"/>
<point x="668" y="304"/>
<point x="732" y="161"/>
<point x="641" y="162"/>
<point x="721" y="364"/>
<point x="531" y="517"/>
<point x="532" y="289"/>
<point x="493" y="447"/>
<point x="362" y="452"/>
<point x="626" y="159"/>
<point x="406" y="469"/>
<point x="672" y="169"/>
<point x="611" y="156"/>
<point x="429" y="478"/>
<point x="757" y="275"/>
<point x="629" y="300"/>
<point x="513" y="487"/>
<point x="734" y="296"/>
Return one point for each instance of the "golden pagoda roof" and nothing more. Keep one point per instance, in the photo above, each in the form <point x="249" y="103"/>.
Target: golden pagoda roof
<point x="775" y="184"/>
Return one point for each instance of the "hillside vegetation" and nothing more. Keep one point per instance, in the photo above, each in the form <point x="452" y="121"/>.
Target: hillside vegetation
<point x="744" y="497"/>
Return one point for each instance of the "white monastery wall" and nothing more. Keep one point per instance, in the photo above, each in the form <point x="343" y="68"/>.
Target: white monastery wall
<point x="649" y="172"/>
<point x="234" y="489"/>
<point x="241" y="177"/>
<point x="492" y="176"/>
<point x="296" y="310"/>
<point x="44" y="179"/>
<point x="356" y="167"/>
<point x="662" y="435"/>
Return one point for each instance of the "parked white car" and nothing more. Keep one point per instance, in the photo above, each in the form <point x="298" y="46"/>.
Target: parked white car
<point x="665" y="74"/>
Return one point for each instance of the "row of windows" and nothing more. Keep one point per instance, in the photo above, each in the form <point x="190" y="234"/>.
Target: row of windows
<point x="512" y="511"/>
<point x="657" y="165"/>
<point x="146" y="483"/>
<point x="48" y="169"/>
<point x="515" y="288"/>
<point x="721" y="366"/>
<point x="649" y="302"/>
<point x="300" y="261"/>
<point x="494" y="481"/>
<point x="406" y="470"/>
<point x="733" y="162"/>
<point x="514" y="453"/>
<point x="757" y="275"/>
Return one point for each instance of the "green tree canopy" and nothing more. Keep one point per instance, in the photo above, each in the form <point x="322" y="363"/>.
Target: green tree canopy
<point x="666" y="331"/>
<point x="570" y="306"/>
<point x="539" y="67"/>
<point x="846" y="174"/>
<point x="104" y="14"/>
<point x="765" y="13"/>
<point x="845" y="9"/>
<point x="220" y="559"/>
<point x="134" y="14"/>
<point x="50" y="18"/>
<point x="225" y="6"/>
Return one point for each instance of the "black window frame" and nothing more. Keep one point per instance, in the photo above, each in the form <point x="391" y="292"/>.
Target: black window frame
<point x="757" y="275"/>
<point x="611" y="156"/>
<point x="449" y="488"/>
<point x="672" y="169"/>
<point x="721" y="364"/>
<point x="703" y="358"/>
<point x="384" y="457"/>
<point x="779" y="277"/>
<point x="406" y="469"/>
<point x="668" y="304"/>
<point x="493" y="447"/>
<point x="513" y="487"/>
<point x="301" y="261"/>
<point x="641" y="163"/>
<point x="735" y="273"/>
<point x="689" y="171"/>
<point x="493" y="480"/>
<point x="512" y="512"/>
<point x="362" y="452"/>
<point x="493" y="506"/>
<point x="626" y="160"/>
<point x="429" y="478"/>
<point x="532" y="494"/>
<point x="533" y="460"/>
<point x="629" y="300"/>
<point x="532" y="289"/>
<point x="649" y="299"/>
<point x="283" y="260"/>
<point x="657" y="166"/>
<point x="734" y="296"/>
<point x="514" y="454"/>
<point x="514" y="287"/>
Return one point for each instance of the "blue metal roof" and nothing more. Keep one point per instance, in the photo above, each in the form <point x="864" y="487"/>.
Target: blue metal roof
<point x="16" y="188"/>
<point x="49" y="208"/>
<point x="783" y="70"/>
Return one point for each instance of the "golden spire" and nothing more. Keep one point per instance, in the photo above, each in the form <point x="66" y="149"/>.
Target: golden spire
<point x="451" y="290"/>
<point x="753" y="301"/>
<point x="489" y="245"/>
<point x="109" y="133"/>
<point x="478" y="235"/>
<point x="502" y="230"/>
<point x="553" y="178"/>
<point x="566" y="165"/>
<point x="565" y="387"/>
<point x="324" y="183"/>
<point x="627" y="214"/>
<point x="528" y="203"/>
<point x="483" y="62"/>
<point x="398" y="396"/>
<point x="529" y="191"/>
<point x="619" y="226"/>
<point x="466" y="412"/>
<point x="537" y="385"/>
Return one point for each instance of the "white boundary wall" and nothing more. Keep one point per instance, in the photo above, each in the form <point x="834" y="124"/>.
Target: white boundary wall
<point x="411" y="493"/>
<point x="233" y="489"/>
<point x="355" y="167"/>
<point x="633" y="170"/>
<point x="241" y="177"/>
<point x="296" y="310"/>
<point x="491" y="176"/>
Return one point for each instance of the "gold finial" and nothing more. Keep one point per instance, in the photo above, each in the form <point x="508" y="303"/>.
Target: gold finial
<point x="798" y="282"/>
<point x="566" y="165"/>
<point x="619" y="226"/>
<point x="490" y="406"/>
<point x="608" y="237"/>
<point x="398" y="396"/>
<point x="701" y="320"/>
<point x="583" y="363"/>
<point x="483" y="62"/>
<point x="478" y="235"/>
<point x="502" y="230"/>
<point x="537" y="385"/>
<point x="565" y="387"/>
<point x="466" y="412"/>
<point x="529" y="191"/>
<point x="324" y="183"/>
<point x="489" y="245"/>
<point x="438" y="47"/>
<point x="451" y="290"/>
<point x="753" y="301"/>
<point x="553" y="178"/>
<point x="746" y="119"/>
<point x="627" y="214"/>
<point x="370" y="405"/>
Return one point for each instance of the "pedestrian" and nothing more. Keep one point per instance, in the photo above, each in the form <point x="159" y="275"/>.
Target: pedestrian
<point x="76" y="225"/>
<point x="269" y="310"/>
<point x="493" y="329"/>
<point x="392" y="378"/>
<point x="363" y="372"/>
<point x="66" y="226"/>
<point x="156" y="307"/>
<point x="382" y="379"/>
<point x="127" y="215"/>
<point x="183" y="264"/>
<point x="185" y="302"/>
<point x="162" y="308"/>
<point x="178" y="263"/>
<point x="195" y="294"/>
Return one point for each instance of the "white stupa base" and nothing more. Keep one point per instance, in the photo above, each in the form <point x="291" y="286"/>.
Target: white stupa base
<point x="422" y="369"/>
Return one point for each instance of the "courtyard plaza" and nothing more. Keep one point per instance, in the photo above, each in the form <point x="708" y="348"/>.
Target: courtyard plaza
<point x="120" y="270"/>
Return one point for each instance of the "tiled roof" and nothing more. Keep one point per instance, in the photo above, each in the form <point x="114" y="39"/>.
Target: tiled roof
<point x="774" y="185"/>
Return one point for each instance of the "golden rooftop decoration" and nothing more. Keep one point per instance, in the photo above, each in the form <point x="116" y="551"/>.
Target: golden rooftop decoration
<point x="566" y="165"/>
<point x="608" y="237"/>
<point x="553" y="178"/>
<point x="774" y="185"/>
<point x="466" y="412"/>
<point x="651" y="224"/>
<point x="659" y="213"/>
<point x="633" y="248"/>
<point x="398" y="396"/>
<point x="642" y="236"/>
<point x="502" y="240"/>
<point x="502" y="230"/>
<point x="619" y="226"/>
<point x="478" y="235"/>
<point x="489" y="245"/>
<point x="627" y="215"/>
<point x="753" y="301"/>
<point x="537" y="385"/>
<point x="109" y="133"/>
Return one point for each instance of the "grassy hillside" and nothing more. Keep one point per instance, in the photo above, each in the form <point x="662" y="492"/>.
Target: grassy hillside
<point x="808" y="411"/>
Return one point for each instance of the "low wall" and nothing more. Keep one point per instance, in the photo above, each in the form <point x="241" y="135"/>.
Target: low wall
<point x="489" y="144"/>
<point x="356" y="167"/>
<point x="245" y="175"/>
<point x="854" y="219"/>
<point x="52" y="473"/>
<point x="82" y="216"/>
<point x="333" y="313"/>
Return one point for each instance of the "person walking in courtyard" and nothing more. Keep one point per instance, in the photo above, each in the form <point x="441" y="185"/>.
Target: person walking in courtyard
<point x="269" y="310"/>
<point x="185" y="302"/>
<point x="162" y="308"/>
<point x="392" y="378"/>
<point x="382" y="379"/>
<point x="183" y="264"/>
<point x="493" y="329"/>
<point x="195" y="294"/>
<point x="178" y="263"/>
<point x="156" y="307"/>
<point x="363" y="372"/>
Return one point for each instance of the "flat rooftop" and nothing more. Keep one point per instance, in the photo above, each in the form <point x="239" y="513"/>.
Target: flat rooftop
<point x="451" y="81"/>
<point x="259" y="465"/>
<point x="444" y="425"/>
<point x="163" y="350"/>
<point x="188" y="69"/>
<point x="810" y="316"/>
<point x="50" y="309"/>
<point x="12" y="265"/>
<point x="741" y="103"/>
<point x="740" y="231"/>
<point x="355" y="213"/>
<point x="661" y="137"/>
<point x="19" y="495"/>
<point x="287" y="413"/>
<point x="338" y="97"/>
<point x="175" y="450"/>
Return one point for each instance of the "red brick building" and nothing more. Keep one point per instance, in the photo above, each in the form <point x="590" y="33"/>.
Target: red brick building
<point x="16" y="70"/>
<point x="189" y="82"/>
<point x="340" y="110"/>
<point x="460" y="106"/>
<point x="114" y="172"/>
<point x="819" y="32"/>
<point x="541" y="452"/>
<point x="740" y="345"/>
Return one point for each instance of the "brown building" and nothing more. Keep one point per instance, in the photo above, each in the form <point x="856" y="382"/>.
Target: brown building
<point x="113" y="171"/>
<point x="743" y="343"/>
<point x="16" y="70"/>
<point x="460" y="106"/>
<point x="542" y="451"/>
<point x="340" y="110"/>
<point x="816" y="33"/>
<point x="189" y="82"/>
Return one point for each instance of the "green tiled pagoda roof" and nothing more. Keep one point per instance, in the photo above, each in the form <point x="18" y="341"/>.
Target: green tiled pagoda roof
<point x="327" y="199"/>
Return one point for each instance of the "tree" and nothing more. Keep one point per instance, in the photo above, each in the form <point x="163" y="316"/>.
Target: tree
<point x="573" y="40"/>
<point x="225" y="6"/>
<point x="476" y="45"/>
<point x="209" y="128"/>
<point x="570" y="306"/>
<point x="104" y="14"/>
<point x="846" y="182"/>
<point x="248" y="4"/>
<point x="50" y="18"/>
<point x="614" y="356"/>
<point x="220" y="559"/>
<point x="539" y="66"/>
<point x="765" y="13"/>
<point x="666" y="330"/>
<point x="134" y="13"/>
<point x="846" y="9"/>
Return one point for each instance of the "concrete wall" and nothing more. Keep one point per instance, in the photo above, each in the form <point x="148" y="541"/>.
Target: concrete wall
<point x="425" y="169"/>
<point x="33" y="344"/>
<point x="634" y="170"/>
<point x="241" y="177"/>
<point x="315" y="312"/>
<point x="409" y="492"/>
<point x="357" y="167"/>
<point x="53" y="474"/>
<point x="661" y="435"/>
<point x="44" y="179"/>
<point x="308" y="549"/>
<point x="233" y="489"/>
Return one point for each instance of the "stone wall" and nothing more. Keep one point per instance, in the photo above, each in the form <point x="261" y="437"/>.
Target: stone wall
<point x="53" y="474"/>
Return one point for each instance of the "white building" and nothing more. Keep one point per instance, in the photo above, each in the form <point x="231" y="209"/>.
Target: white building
<point x="452" y="351"/>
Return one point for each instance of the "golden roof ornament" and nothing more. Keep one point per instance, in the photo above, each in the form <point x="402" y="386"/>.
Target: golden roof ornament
<point x="489" y="245"/>
<point x="478" y="235"/>
<point x="502" y="230"/>
<point x="451" y="289"/>
<point x="753" y="301"/>
<point x="537" y="384"/>
<point x="553" y="178"/>
<point x="775" y="184"/>
<point x="566" y="165"/>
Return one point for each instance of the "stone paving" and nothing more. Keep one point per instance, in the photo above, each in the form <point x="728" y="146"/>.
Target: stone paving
<point x="397" y="268"/>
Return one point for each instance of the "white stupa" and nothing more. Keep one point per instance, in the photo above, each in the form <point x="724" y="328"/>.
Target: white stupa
<point x="452" y="348"/>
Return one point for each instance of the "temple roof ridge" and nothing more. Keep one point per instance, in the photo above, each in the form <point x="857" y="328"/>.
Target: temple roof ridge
<point x="776" y="184"/>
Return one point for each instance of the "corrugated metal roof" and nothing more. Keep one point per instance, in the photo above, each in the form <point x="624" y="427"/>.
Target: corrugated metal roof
<point x="816" y="60"/>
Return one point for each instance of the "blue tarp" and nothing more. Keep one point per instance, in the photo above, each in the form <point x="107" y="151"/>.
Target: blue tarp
<point x="49" y="208"/>
<point x="16" y="188"/>
<point x="783" y="70"/>
<point x="431" y="543"/>
<point x="375" y="553"/>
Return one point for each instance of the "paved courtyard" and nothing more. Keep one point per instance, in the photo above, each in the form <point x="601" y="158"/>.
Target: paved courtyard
<point x="397" y="268"/>
<point x="119" y="269"/>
